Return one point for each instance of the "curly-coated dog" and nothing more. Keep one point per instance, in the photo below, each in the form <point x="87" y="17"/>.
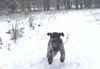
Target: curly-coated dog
<point x="55" y="45"/>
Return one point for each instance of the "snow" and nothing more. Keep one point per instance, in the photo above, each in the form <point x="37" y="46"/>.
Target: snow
<point x="81" y="40"/>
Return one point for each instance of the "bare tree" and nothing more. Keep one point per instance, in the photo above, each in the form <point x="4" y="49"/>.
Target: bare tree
<point x="64" y="2"/>
<point x="81" y="3"/>
<point x="76" y="4"/>
<point x="57" y="4"/>
<point x="34" y="2"/>
<point x="46" y="4"/>
<point x="87" y="3"/>
<point x="8" y="4"/>
<point x="11" y="4"/>
<point x="68" y="4"/>
<point x="25" y="4"/>
<point x="97" y="3"/>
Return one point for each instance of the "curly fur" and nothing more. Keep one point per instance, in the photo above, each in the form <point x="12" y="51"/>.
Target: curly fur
<point x="55" y="45"/>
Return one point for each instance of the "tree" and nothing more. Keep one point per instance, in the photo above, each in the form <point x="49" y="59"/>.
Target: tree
<point x="2" y="4"/>
<point x="46" y="4"/>
<point x="11" y="5"/>
<point x="8" y="4"/>
<point x="25" y="4"/>
<point x="97" y="3"/>
<point x="87" y="3"/>
<point x="81" y="3"/>
<point x="68" y="4"/>
<point x="76" y="4"/>
<point x="57" y="4"/>
<point x="34" y="2"/>
<point x="64" y="2"/>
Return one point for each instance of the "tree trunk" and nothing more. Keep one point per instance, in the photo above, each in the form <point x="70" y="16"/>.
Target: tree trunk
<point x="97" y="3"/>
<point x="64" y="2"/>
<point x="87" y="3"/>
<point x="46" y="4"/>
<point x="76" y="4"/>
<point x="81" y="4"/>
<point x="68" y="4"/>
<point x="57" y="5"/>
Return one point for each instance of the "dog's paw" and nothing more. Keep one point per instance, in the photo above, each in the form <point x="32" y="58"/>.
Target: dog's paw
<point x="50" y="61"/>
<point x="61" y="60"/>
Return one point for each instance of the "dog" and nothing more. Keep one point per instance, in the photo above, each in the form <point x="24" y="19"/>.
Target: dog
<point x="55" y="45"/>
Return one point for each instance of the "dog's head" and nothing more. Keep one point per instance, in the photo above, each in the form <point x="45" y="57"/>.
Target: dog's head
<point x="55" y="34"/>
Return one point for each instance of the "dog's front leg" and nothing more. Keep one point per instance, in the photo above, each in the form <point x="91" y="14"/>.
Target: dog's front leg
<point x="62" y="52"/>
<point x="50" y="54"/>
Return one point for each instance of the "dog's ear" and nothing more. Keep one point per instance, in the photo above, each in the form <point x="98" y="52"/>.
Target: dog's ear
<point x="48" y="33"/>
<point x="62" y="34"/>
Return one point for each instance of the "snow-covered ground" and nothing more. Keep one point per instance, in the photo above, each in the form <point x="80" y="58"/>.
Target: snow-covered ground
<point x="81" y="40"/>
